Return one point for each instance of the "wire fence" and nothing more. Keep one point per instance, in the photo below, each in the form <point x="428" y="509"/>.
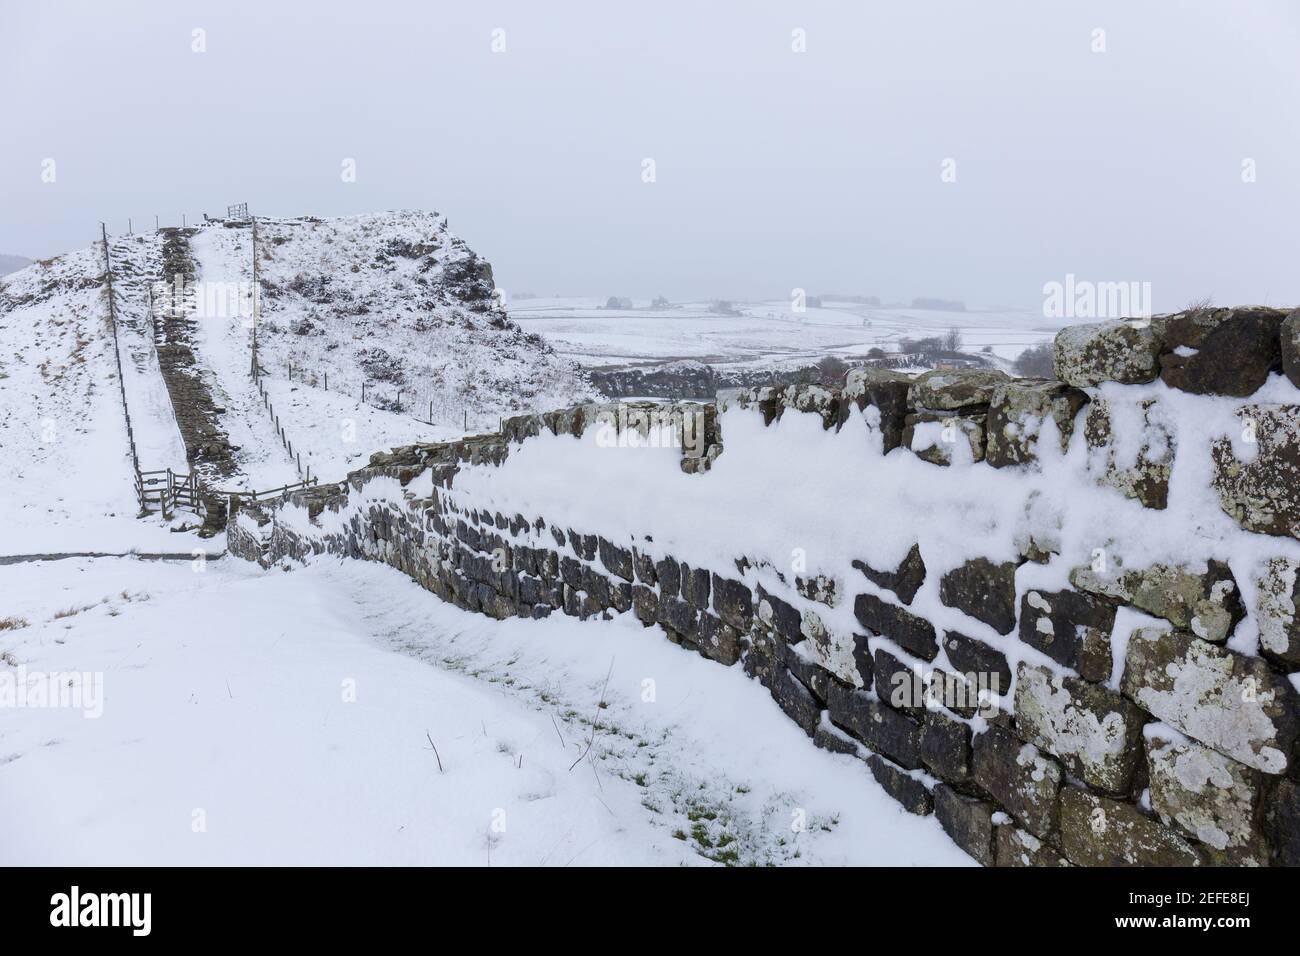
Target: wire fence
<point x="164" y="489"/>
<point x="436" y="411"/>
<point x="149" y="487"/>
<point x="304" y="472"/>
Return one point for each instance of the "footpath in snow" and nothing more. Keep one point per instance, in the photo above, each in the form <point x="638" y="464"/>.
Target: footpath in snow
<point x="223" y="341"/>
<point x="249" y="718"/>
<point x="136" y="264"/>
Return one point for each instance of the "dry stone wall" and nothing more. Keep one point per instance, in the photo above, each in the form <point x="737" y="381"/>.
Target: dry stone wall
<point x="1156" y="746"/>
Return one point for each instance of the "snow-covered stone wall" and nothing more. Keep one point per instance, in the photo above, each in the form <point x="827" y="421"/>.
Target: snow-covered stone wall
<point x="1062" y="616"/>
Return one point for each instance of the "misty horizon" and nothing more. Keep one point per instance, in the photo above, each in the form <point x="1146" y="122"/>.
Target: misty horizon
<point x="934" y="151"/>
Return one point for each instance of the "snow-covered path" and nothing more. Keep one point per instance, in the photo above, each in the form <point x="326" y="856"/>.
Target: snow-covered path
<point x="136" y="265"/>
<point x="223" y="330"/>
<point x="267" y="717"/>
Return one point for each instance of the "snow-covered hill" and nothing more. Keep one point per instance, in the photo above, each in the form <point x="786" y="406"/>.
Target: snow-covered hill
<point x="396" y="302"/>
<point x="65" y="465"/>
<point x="392" y="303"/>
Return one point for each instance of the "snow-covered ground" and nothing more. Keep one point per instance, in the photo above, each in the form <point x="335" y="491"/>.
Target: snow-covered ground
<point x="223" y="348"/>
<point x="66" y="482"/>
<point x="158" y="441"/>
<point x="394" y="301"/>
<point x="257" y="718"/>
<point x="277" y="718"/>
<point x="334" y="432"/>
<point x="337" y="433"/>
<point x="767" y="333"/>
<point x="345" y="307"/>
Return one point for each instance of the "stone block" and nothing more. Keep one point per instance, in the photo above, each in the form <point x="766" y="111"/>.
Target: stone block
<point x="733" y="602"/>
<point x="695" y="586"/>
<point x="1097" y="831"/>
<point x="1277" y="611"/>
<point x="904" y="580"/>
<point x="945" y="438"/>
<point x="969" y="656"/>
<point x="1282" y="822"/>
<point x="1203" y="599"/>
<point x="882" y="729"/>
<point x="1094" y="731"/>
<point x="968" y="820"/>
<point x="952" y="389"/>
<point x="1209" y="797"/>
<point x="779" y="615"/>
<point x="1258" y="480"/>
<point x="897" y="684"/>
<point x="1228" y="701"/>
<point x="900" y="785"/>
<point x="1020" y="777"/>
<point x="1017" y="847"/>
<point x="718" y="640"/>
<point x="1071" y="627"/>
<point x="914" y="634"/>
<point x="796" y="700"/>
<point x="1094" y="353"/>
<point x="1234" y="356"/>
<point x="946" y="748"/>
<point x="886" y="391"/>
<point x="618" y="561"/>
<point x="1289" y="340"/>
<point x="1017" y="414"/>
<point x="984" y="590"/>
<point x="1131" y="447"/>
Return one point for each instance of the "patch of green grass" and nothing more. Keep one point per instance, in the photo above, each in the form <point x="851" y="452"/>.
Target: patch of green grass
<point x="728" y="857"/>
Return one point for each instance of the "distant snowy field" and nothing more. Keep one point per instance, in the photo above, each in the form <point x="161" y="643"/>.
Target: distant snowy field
<point x="266" y="718"/>
<point x="766" y="332"/>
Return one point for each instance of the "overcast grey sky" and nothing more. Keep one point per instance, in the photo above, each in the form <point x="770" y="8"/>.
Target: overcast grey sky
<point x="773" y="168"/>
